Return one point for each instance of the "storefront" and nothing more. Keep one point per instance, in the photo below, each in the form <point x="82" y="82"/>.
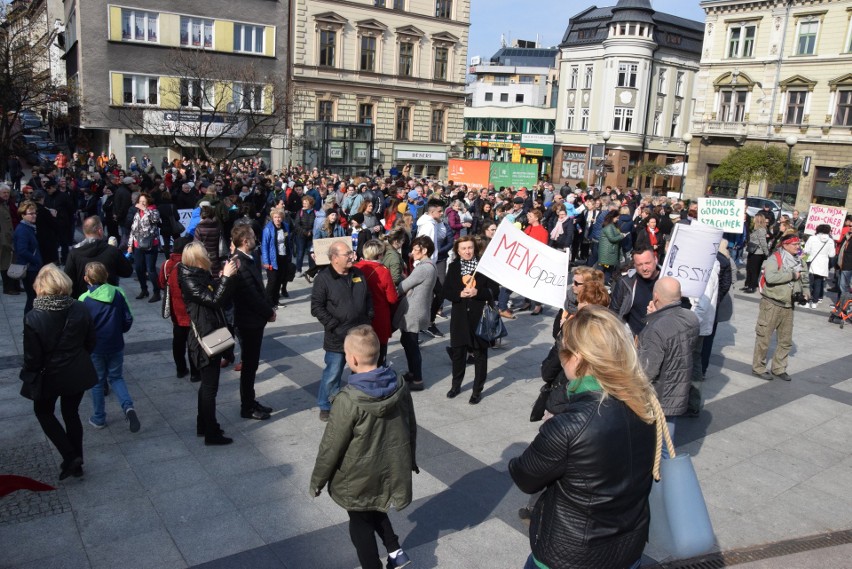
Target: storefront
<point x="426" y="162"/>
<point x="537" y="149"/>
<point x="342" y="148"/>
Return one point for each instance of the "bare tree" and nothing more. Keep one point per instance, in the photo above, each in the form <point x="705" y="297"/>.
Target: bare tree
<point x="209" y="105"/>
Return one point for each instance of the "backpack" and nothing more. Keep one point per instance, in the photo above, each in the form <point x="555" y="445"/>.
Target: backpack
<point x="762" y="282"/>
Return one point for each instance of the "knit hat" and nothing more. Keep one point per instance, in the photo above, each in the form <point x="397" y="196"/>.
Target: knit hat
<point x="357" y="218"/>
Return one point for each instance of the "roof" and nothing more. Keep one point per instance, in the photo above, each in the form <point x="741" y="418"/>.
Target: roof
<point x="526" y="57"/>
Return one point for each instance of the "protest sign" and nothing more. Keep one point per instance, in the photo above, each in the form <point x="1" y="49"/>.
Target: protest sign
<point x="691" y="256"/>
<point x="321" y="248"/>
<point x="820" y="214"/>
<point x="727" y="214"/>
<point x="185" y="216"/>
<point x="528" y="267"/>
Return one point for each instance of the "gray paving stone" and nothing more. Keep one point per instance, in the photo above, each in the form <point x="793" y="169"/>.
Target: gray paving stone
<point x="114" y="521"/>
<point x="153" y="449"/>
<point x="151" y="550"/>
<point x="42" y="538"/>
<point x="161" y="476"/>
<point x="214" y="537"/>
<point x="71" y="558"/>
<point x="185" y="506"/>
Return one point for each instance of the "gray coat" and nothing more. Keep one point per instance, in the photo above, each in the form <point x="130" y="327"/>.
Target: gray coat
<point x="415" y="293"/>
<point x="665" y="352"/>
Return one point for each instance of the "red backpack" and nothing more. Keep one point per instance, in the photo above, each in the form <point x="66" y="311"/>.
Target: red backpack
<point x="762" y="283"/>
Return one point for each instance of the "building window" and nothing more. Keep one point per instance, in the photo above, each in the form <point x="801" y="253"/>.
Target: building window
<point x="569" y="120"/>
<point x="248" y="38"/>
<point x="403" y="123"/>
<point x="806" y="37"/>
<point x="365" y="113"/>
<point x="795" y="107"/>
<point x="622" y="119"/>
<point x="196" y="32"/>
<point x="141" y="90"/>
<point x="248" y="97"/>
<point x="489" y="96"/>
<point x="196" y="93"/>
<point x="679" y="84"/>
<point x="406" y="59"/>
<point x="519" y="98"/>
<point x="437" y="133"/>
<point x="526" y="80"/>
<point x="444" y="9"/>
<point x="587" y="78"/>
<point x="368" y="53"/>
<point x="627" y="74"/>
<point x="442" y="59"/>
<point x="741" y="41"/>
<point x="379" y="3"/>
<point x="584" y="120"/>
<point x="325" y="111"/>
<point x="661" y="82"/>
<point x="675" y="125"/>
<point x="574" y="77"/>
<point x="139" y="26"/>
<point x="504" y="97"/>
<point x="843" y="114"/>
<point x="657" y="117"/>
<point x="328" y="43"/>
<point x="399" y="4"/>
<point x="732" y="106"/>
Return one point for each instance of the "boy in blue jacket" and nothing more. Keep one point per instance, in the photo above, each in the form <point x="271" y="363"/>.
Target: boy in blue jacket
<point x="111" y="315"/>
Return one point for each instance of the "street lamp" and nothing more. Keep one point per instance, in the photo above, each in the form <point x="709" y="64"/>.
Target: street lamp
<point x="687" y="138"/>
<point x="605" y="135"/>
<point x="791" y="142"/>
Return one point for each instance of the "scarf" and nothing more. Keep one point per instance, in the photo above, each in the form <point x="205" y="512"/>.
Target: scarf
<point x="557" y="230"/>
<point x="468" y="267"/>
<point x="53" y="303"/>
<point x="86" y="241"/>
<point x="791" y="262"/>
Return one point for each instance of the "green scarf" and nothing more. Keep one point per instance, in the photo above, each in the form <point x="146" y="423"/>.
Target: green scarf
<point x="583" y="384"/>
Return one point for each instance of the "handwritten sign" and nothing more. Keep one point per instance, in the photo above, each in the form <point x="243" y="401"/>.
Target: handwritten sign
<point x="726" y="214"/>
<point x="526" y="266"/>
<point x="820" y="214"/>
<point x="691" y="256"/>
<point x="321" y="247"/>
<point x="185" y="216"/>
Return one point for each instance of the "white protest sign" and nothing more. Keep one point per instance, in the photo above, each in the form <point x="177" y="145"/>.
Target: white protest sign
<point x="691" y="256"/>
<point x="820" y="214"/>
<point x="185" y="216"/>
<point x="727" y="214"/>
<point x="321" y="247"/>
<point x="526" y="266"/>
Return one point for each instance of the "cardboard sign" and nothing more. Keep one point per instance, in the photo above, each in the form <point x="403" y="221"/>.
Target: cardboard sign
<point x="185" y="216"/>
<point x="474" y="173"/>
<point x="526" y="266"/>
<point x="727" y="214"/>
<point x="691" y="256"/>
<point x="321" y="247"/>
<point x="819" y="214"/>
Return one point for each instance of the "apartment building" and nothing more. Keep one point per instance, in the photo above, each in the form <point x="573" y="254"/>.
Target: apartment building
<point x="379" y="82"/>
<point x="626" y="74"/>
<point x="164" y="78"/>
<point x="775" y="72"/>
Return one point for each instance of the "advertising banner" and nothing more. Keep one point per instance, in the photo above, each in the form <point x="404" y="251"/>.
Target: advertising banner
<point x="726" y="214"/>
<point x="505" y="174"/>
<point x="474" y="173"/>
<point x="819" y="214"/>
<point x="528" y="267"/>
<point x="691" y="256"/>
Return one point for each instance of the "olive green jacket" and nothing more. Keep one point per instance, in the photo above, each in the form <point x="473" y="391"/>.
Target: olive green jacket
<point x="781" y="282"/>
<point x="367" y="453"/>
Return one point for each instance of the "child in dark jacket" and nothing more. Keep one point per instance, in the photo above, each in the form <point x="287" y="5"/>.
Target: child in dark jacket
<point x="111" y="315"/>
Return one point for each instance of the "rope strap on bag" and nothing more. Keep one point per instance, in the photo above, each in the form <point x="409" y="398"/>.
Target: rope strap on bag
<point x="662" y="433"/>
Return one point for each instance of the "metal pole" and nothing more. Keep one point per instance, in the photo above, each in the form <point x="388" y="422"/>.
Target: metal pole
<point x="786" y="176"/>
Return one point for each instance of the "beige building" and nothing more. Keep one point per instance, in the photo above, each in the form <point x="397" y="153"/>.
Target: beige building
<point x="397" y="66"/>
<point x="776" y="72"/>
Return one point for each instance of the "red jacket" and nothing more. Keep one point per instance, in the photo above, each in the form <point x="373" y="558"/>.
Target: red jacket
<point x="383" y="294"/>
<point x="537" y="232"/>
<point x="178" y="307"/>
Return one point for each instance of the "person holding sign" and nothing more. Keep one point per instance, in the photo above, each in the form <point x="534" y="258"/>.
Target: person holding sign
<point x="468" y="292"/>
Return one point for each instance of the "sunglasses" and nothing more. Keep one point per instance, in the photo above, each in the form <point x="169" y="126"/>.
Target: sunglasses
<point x="578" y="284"/>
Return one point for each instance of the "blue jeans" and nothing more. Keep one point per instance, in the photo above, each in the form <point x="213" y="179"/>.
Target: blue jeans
<point x="817" y="287"/>
<point x="146" y="267"/>
<point x="530" y="564"/>
<point x="331" y="376"/>
<point x="109" y="368"/>
<point x="503" y="298"/>
<point x="845" y="281"/>
<point x="303" y="246"/>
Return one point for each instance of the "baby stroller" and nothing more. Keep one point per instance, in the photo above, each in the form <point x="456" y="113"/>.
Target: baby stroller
<point x="842" y="310"/>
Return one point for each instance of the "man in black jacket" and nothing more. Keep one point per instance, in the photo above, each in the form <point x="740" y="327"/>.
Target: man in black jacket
<point x="94" y="248"/>
<point x="251" y="313"/>
<point x="340" y="300"/>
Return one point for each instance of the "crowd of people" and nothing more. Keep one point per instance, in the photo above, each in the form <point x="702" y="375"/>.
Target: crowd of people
<point x="217" y="243"/>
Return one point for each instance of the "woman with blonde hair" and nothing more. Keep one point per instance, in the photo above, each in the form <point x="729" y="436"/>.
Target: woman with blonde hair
<point x="595" y="460"/>
<point x="58" y="338"/>
<point x="758" y="250"/>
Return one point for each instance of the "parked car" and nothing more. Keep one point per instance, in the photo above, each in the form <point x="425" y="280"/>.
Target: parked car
<point x="28" y="125"/>
<point x="41" y="151"/>
<point x="755" y="204"/>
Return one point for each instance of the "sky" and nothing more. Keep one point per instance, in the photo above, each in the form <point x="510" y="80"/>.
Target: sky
<point x="523" y="19"/>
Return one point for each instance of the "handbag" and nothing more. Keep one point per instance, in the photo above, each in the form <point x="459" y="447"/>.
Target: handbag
<point x="751" y="248"/>
<point x="33" y="385"/>
<point x="167" y="299"/>
<point x="490" y="326"/>
<point x="17" y="271"/>
<point x="145" y="242"/>
<point x="680" y="523"/>
<point x="216" y="341"/>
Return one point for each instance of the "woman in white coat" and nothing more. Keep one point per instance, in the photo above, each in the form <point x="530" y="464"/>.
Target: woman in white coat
<point x="818" y="252"/>
<point x="412" y="315"/>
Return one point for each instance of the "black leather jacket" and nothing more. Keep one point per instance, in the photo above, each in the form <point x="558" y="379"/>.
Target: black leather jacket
<point x="204" y="302"/>
<point x="594" y="463"/>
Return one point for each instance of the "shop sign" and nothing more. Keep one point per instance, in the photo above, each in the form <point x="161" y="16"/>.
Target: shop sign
<point x="426" y="156"/>
<point x="537" y="139"/>
<point x="532" y="152"/>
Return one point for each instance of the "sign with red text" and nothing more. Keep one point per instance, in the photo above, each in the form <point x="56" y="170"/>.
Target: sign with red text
<point x="526" y="266"/>
<point x="820" y="214"/>
<point x="691" y="256"/>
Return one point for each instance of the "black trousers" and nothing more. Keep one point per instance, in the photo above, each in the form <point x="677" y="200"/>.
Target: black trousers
<point x="362" y="529"/>
<point x="412" y="354"/>
<point x="180" y="335"/>
<point x="207" y="397"/>
<point x="68" y="440"/>
<point x="276" y="280"/>
<point x="438" y="290"/>
<point x="250" y="357"/>
<point x="754" y="263"/>
<point x="458" y="356"/>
